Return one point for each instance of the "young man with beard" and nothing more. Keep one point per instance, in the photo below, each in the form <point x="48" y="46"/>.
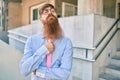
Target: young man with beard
<point x="48" y="56"/>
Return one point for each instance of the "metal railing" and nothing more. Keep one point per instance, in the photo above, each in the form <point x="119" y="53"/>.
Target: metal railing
<point x="114" y="24"/>
<point x="100" y="42"/>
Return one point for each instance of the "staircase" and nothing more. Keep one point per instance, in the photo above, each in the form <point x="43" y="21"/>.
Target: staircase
<point x="112" y="71"/>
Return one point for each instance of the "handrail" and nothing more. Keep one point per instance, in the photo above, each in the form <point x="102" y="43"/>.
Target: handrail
<point x="96" y="57"/>
<point x="108" y="32"/>
<point x="84" y="48"/>
<point x="16" y="33"/>
<point x="103" y="36"/>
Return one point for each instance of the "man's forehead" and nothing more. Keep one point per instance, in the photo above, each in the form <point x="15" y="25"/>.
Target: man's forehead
<point x="48" y="8"/>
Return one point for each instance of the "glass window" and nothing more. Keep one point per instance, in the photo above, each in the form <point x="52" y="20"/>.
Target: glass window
<point x="68" y="9"/>
<point x="35" y="14"/>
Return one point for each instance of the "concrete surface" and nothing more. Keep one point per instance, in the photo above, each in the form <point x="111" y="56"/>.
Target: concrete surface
<point x="9" y="63"/>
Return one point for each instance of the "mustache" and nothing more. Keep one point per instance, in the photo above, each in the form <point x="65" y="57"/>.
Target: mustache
<point x="51" y="19"/>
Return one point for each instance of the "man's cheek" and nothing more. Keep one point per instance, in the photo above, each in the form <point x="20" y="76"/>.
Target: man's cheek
<point x="55" y="14"/>
<point x="43" y="19"/>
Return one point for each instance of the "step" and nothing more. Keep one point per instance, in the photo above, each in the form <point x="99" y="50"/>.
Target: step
<point x="116" y="57"/>
<point x="107" y="77"/>
<point x="115" y="61"/>
<point x="118" y="53"/>
<point x="113" y="70"/>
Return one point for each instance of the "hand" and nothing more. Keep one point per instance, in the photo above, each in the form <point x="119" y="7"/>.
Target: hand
<point x="50" y="46"/>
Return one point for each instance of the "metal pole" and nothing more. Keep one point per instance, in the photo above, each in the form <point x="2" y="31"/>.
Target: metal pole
<point x="5" y="15"/>
<point x="1" y="13"/>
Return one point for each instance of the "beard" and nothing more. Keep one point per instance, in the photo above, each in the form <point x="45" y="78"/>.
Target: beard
<point x="52" y="28"/>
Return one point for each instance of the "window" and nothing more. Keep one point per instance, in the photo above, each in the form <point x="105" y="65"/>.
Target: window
<point x="68" y="9"/>
<point x="35" y="13"/>
<point x="118" y="10"/>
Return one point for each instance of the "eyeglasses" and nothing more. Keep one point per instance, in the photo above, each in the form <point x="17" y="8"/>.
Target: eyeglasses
<point x="47" y="11"/>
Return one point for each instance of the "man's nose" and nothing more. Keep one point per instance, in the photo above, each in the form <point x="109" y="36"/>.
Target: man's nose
<point x="49" y="12"/>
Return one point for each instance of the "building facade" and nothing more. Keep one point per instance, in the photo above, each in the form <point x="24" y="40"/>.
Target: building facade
<point x="90" y="24"/>
<point x="22" y="12"/>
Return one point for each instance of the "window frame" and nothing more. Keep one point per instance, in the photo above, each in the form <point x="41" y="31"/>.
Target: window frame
<point x="31" y="12"/>
<point x="69" y="4"/>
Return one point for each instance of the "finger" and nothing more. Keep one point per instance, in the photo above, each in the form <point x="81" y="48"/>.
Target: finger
<point x="51" y="44"/>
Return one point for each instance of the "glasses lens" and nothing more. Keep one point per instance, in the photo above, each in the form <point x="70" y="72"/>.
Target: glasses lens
<point x="47" y="11"/>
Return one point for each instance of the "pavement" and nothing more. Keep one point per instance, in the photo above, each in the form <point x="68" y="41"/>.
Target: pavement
<point x="9" y="63"/>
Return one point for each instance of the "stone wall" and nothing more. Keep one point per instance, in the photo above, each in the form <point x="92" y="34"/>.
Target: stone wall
<point x="90" y="6"/>
<point x="14" y="15"/>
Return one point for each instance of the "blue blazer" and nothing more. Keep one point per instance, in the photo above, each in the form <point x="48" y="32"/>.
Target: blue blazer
<point x="35" y="58"/>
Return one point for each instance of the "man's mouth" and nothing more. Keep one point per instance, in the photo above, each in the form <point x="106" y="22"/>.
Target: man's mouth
<point x="51" y="19"/>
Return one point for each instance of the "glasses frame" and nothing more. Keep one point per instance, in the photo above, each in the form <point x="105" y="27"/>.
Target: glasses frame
<point x="47" y="11"/>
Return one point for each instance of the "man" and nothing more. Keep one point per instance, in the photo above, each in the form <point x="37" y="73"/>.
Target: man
<point x="48" y="56"/>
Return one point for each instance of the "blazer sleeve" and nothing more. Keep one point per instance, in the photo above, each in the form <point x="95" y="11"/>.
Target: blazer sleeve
<point x="62" y="72"/>
<point x="30" y="61"/>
